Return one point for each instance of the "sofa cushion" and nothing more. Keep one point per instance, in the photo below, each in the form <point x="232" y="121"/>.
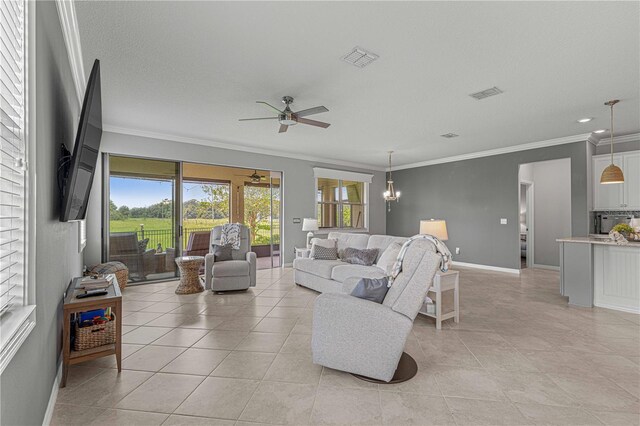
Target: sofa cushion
<point x="321" y="268"/>
<point x="381" y="242"/>
<point x="231" y="268"/>
<point x="345" y="240"/>
<point x="389" y="257"/>
<point x="355" y="256"/>
<point x="372" y="289"/>
<point x="346" y="270"/>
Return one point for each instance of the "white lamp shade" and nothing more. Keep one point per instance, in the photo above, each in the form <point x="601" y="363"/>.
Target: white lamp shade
<point x="437" y="228"/>
<point x="635" y="223"/>
<point x="309" y="224"/>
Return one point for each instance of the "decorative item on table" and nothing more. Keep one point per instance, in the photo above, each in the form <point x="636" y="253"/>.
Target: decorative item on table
<point x="626" y="230"/>
<point x="429" y="306"/>
<point x="618" y="238"/>
<point x="634" y="223"/>
<point x="310" y="225"/>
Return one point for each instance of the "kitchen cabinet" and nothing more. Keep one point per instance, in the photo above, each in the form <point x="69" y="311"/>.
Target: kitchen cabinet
<point x="625" y="196"/>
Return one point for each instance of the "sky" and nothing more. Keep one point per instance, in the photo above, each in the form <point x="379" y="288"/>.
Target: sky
<point x="144" y="192"/>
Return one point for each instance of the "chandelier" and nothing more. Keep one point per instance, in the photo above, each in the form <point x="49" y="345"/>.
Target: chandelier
<point x="390" y="194"/>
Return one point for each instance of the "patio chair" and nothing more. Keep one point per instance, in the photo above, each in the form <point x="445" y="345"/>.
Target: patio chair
<point x="124" y="247"/>
<point x="198" y="244"/>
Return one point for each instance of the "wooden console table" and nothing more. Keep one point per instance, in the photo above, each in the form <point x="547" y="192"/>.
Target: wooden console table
<point x="73" y="305"/>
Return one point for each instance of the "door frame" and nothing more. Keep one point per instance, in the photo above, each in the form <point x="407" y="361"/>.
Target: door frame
<point x="529" y="219"/>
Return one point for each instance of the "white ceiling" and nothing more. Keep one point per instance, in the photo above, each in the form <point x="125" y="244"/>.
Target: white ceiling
<point x="192" y="69"/>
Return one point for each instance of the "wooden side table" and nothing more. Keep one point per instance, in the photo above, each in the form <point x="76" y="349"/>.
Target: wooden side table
<point x="189" y="274"/>
<point x="72" y="305"/>
<point x="302" y="252"/>
<point x="445" y="281"/>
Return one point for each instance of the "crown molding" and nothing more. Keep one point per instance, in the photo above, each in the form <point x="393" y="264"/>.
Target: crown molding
<point x="71" y="33"/>
<point x="491" y="152"/>
<point x="235" y="147"/>
<point x="633" y="137"/>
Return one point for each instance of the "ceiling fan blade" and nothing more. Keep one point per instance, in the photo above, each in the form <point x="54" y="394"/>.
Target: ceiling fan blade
<point x="269" y="105"/>
<point x="310" y="111"/>
<point x="313" y="122"/>
<point x="263" y="118"/>
<point x="283" y="128"/>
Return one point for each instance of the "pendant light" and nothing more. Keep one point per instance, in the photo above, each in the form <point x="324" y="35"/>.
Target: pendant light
<point x="613" y="173"/>
<point x="390" y="194"/>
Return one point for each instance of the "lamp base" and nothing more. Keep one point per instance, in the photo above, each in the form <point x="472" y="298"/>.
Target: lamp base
<point x="407" y="368"/>
<point x="309" y="237"/>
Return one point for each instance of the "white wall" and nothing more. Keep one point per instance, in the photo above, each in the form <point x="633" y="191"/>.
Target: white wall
<point x="298" y="185"/>
<point x="552" y="208"/>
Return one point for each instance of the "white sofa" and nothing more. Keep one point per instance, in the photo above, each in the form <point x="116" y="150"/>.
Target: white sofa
<point x="336" y="276"/>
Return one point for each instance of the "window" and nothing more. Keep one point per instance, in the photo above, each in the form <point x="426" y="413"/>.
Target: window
<point x="341" y="199"/>
<point x="16" y="315"/>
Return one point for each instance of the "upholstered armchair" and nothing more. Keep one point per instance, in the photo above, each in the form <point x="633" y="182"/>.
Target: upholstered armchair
<point x="236" y="274"/>
<point x="124" y="247"/>
<point x="366" y="338"/>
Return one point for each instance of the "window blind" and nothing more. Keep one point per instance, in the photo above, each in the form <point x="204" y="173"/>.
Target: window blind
<point x="12" y="154"/>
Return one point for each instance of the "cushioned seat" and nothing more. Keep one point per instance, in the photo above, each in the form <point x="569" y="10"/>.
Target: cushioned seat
<point x="231" y="268"/>
<point x="341" y="272"/>
<point x="320" y="268"/>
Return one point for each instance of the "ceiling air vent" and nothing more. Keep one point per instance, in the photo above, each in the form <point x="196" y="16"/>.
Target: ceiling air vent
<point x="486" y="93"/>
<point x="359" y="57"/>
<point x="449" y="135"/>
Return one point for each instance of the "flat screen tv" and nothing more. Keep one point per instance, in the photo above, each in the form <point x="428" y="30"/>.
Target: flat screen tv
<point x="82" y="165"/>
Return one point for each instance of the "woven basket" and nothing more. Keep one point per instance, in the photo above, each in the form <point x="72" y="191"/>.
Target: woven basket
<point x="122" y="277"/>
<point x="95" y="335"/>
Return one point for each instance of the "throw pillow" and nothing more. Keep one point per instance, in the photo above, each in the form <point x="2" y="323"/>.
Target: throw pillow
<point x="324" y="253"/>
<point x="222" y="253"/>
<point x="388" y="257"/>
<point x="142" y="245"/>
<point x="318" y="242"/>
<point x="366" y="257"/>
<point x="373" y="289"/>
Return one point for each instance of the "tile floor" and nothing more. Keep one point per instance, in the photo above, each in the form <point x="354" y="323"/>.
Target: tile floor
<point x="519" y="356"/>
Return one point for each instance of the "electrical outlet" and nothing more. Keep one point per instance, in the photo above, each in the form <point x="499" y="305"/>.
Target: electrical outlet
<point x="457" y="250"/>
<point x="503" y="221"/>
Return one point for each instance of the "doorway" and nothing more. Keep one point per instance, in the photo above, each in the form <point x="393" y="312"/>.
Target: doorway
<point x="526" y="224"/>
<point x="157" y="210"/>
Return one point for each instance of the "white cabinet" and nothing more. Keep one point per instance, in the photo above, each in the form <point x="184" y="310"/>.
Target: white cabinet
<point x="625" y="196"/>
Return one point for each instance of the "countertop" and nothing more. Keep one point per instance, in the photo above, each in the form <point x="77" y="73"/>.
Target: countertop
<point x="606" y="241"/>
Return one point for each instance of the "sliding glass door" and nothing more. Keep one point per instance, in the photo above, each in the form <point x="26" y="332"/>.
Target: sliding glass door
<point x="142" y="216"/>
<point x="159" y="210"/>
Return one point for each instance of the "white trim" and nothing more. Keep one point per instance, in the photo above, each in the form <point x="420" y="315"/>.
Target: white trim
<point x="498" y="151"/>
<point x="53" y="396"/>
<point x="233" y="147"/>
<point x="486" y="267"/>
<point x="69" y="23"/>
<point x="287" y="265"/>
<point x="634" y="137"/>
<point x="617" y="308"/>
<point x="14" y="330"/>
<point x="547" y="267"/>
<point x="319" y="172"/>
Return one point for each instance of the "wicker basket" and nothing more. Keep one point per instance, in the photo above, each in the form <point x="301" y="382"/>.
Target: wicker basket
<point x="95" y="335"/>
<point x="122" y="277"/>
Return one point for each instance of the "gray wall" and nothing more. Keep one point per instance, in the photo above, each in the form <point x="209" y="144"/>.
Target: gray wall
<point x="298" y="184"/>
<point x="27" y="381"/>
<point x="551" y="210"/>
<point x="472" y="195"/>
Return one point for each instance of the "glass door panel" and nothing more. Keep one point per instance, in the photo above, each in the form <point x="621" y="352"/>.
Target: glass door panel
<point x="206" y="204"/>
<point x="142" y="220"/>
<point x="276" y="205"/>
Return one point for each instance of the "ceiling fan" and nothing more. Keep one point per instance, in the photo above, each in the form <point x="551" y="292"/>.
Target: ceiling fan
<point x="287" y="118"/>
<point x="255" y="177"/>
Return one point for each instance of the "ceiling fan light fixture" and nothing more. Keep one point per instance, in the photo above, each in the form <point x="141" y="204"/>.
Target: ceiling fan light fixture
<point x="287" y="119"/>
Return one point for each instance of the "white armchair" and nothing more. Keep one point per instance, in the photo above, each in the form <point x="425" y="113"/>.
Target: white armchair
<point x="236" y="274"/>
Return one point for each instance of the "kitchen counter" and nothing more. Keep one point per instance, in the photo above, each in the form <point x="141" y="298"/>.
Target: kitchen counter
<point x="595" y="271"/>
<point x="604" y="240"/>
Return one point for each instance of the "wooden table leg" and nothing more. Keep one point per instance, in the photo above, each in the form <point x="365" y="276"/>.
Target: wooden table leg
<point x="66" y="346"/>
<point x="119" y="335"/>
<point x="456" y="300"/>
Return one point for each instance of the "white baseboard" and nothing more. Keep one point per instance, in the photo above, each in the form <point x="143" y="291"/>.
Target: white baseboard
<point x="487" y="267"/>
<point x="549" y="267"/>
<point x="54" y="396"/>
<point x="618" y="308"/>
<point x="288" y="265"/>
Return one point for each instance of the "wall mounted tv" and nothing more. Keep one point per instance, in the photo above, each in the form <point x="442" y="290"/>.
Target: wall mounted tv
<point x="78" y="177"/>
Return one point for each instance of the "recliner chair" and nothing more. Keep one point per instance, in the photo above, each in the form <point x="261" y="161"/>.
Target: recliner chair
<point x="366" y="338"/>
<point x="236" y="274"/>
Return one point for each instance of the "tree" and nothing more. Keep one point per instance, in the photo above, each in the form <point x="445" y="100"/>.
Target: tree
<point x="257" y="207"/>
<point x="113" y="211"/>
<point x="217" y="201"/>
<point x="124" y="212"/>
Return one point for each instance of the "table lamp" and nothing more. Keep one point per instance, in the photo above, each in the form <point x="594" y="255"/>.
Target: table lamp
<point x="435" y="227"/>
<point x="310" y="225"/>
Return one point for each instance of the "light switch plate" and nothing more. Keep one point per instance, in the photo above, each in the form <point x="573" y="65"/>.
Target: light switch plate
<point x="503" y="221"/>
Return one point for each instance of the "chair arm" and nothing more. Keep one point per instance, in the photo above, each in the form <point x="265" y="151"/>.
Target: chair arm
<point x="209" y="260"/>
<point x="252" y="259"/>
<point x="357" y="335"/>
